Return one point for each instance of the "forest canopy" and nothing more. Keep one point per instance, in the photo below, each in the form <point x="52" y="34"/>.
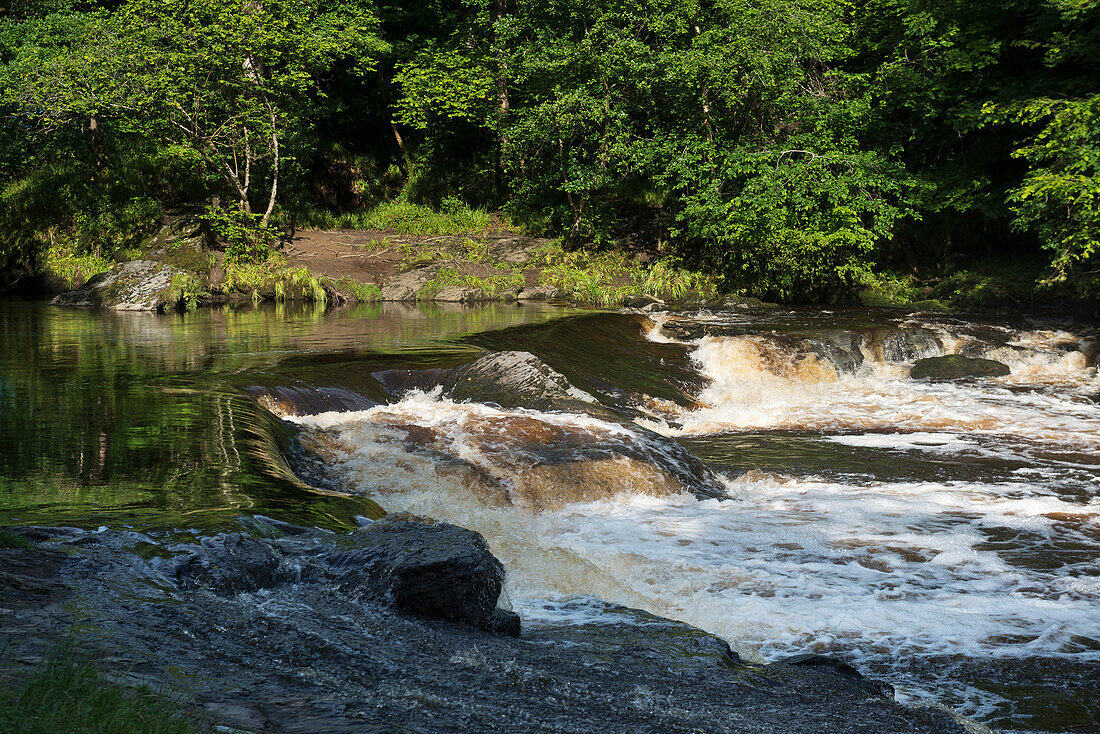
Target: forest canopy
<point x="799" y="149"/>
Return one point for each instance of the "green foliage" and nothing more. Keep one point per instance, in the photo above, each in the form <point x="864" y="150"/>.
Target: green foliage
<point x="795" y="149"/>
<point x="445" y="83"/>
<point x="610" y="277"/>
<point x="69" y="695"/>
<point x="71" y="268"/>
<point x="248" y="238"/>
<point x="361" y="292"/>
<point x="991" y="283"/>
<point x="1059" y="198"/>
<point x="273" y="277"/>
<point x="405" y="218"/>
<point x="9" y="539"/>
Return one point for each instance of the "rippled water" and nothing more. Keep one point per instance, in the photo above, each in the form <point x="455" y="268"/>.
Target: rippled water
<point x="944" y="535"/>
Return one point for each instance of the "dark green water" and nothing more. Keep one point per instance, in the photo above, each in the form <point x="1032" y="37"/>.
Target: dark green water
<point x="141" y="419"/>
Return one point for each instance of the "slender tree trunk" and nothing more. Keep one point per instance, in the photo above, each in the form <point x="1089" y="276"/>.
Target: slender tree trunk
<point x="274" y="168"/>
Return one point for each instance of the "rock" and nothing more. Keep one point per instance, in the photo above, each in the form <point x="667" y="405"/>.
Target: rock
<point x="642" y="302"/>
<point x="540" y="293"/>
<point x="515" y="380"/>
<point x="733" y="303"/>
<point x="903" y="344"/>
<point x="954" y="366"/>
<point x="841" y="668"/>
<point x="428" y="569"/>
<point x="141" y="285"/>
<point x="461" y="294"/>
<point x="406" y="286"/>
<point x="231" y="564"/>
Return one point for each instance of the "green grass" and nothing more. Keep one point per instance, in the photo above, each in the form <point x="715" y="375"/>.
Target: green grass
<point x="71" y="268"/>
<point x="70" y="696"/>
<point x="509" y="279"/>
<point x="404" y="218"/>
<point x="9" y="539"/>
<point x="610" y="277"/>
<point x="276" y="275"/>
<point x="361" y="292"/>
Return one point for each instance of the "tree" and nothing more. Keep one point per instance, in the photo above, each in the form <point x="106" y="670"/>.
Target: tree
<point x="219" y="84"/>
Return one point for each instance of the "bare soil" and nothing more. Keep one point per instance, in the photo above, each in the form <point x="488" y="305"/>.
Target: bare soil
<point x="376" y="256"/>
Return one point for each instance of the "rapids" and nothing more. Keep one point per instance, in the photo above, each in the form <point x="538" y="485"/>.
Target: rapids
<point x="942" y="534"/>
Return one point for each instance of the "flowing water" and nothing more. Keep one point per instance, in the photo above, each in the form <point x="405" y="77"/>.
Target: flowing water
<point x="944" y="535"/>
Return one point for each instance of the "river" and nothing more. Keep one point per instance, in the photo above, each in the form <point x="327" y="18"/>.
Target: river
<point x="943" y="535"/>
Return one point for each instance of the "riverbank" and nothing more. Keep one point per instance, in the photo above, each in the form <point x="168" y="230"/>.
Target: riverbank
<point x="183" y="265"/>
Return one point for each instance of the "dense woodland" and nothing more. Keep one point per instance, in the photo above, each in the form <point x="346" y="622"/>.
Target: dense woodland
<point x="800" y="150"/>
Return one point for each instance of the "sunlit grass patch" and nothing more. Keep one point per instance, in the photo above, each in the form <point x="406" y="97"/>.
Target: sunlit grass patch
<point x="405" y="218"/>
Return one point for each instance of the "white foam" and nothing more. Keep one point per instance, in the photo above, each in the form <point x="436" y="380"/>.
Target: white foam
<point x="921" y="440"/>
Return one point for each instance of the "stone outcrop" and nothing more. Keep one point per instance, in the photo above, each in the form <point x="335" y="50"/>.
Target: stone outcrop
<point x="956" y="366"/>
<point x="407" y="286"/>
<point x="434" y="570"/>
<point x="141" y="285"/>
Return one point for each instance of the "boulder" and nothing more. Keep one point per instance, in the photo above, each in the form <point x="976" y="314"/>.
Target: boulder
<point x="406" y="286"/>
<point x="540" y="293"/>
<point x="141" y="285"/>
<point x="840" y="668"/>
<point x="461" y="294"/>
<point x="516" y="380"/>
<point x="427" y="569"/>
<point x="955" y="366"/>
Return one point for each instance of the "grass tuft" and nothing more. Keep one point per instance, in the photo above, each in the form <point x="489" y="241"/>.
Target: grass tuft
<point x="67" y="695"/>
<point x="9" y="539"/>
<point x="70" y="267"/>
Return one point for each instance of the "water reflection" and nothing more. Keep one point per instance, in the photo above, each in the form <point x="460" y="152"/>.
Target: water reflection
<point x="143" y="418"/>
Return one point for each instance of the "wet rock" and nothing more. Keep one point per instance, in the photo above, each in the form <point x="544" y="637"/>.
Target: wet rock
<point x="428" y="569"/>
<point x="397" y="383"/>
<point x="28" y="577"/>
<point x="141" y="285"/>
<point x="902" y="344"/>
<point x="642" y="302"/>
<point x="841" y="668"/>
<point x="955" y="366"/>
<point x="840" y="349"/>
<point x="231" y="564"/>
<point x="515" y="380"/>
<point x="312" y="658"/>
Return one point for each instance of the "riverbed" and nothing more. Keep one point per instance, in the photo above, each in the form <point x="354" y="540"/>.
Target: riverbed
<point x="943" y="535"/>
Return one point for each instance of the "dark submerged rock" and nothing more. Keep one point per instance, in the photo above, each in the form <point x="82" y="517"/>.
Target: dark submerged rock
<point x="231" y="564"/>
<point x="841" y="668"/>
<point x="954" y="366"/>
